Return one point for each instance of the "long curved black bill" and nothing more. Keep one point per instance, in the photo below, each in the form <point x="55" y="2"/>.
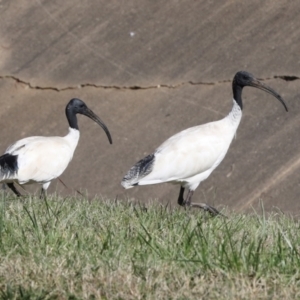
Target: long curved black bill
<point x="89" y="113"/>
<point x="256" y="83"/>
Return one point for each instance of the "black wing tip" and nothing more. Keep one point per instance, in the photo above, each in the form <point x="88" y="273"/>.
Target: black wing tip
<point x="9" y="164"/>
<point x="141" y="169"/>
<point x="127" y="183"/>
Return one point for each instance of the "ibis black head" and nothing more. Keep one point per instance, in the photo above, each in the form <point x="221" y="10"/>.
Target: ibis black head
<point x="242" y="79"/>
<point x="77" y="106"/>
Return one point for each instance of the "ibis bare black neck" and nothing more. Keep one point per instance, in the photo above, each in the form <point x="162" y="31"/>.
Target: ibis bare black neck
<point x="72" y="118"/>
<point x="237" y="93"/>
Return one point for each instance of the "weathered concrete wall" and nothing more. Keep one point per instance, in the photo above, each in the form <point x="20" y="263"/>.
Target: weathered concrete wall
<point x="151" y="69"/>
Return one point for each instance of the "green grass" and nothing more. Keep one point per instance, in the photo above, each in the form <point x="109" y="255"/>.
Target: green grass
<point x="77" y="249"/>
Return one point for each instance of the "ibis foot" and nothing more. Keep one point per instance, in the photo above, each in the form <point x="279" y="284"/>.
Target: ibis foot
<point x="187" y="203"/>
<point x="213" y="211"/>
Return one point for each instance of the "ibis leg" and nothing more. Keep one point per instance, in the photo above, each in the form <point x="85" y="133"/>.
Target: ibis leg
<point x="13" y="188"/>
<point x="43" y="190"/>
<point x="188" y="199"/>
<point x="43" y="194"/>
<point x="180" y="197"/>
<point x="204" y="206"/>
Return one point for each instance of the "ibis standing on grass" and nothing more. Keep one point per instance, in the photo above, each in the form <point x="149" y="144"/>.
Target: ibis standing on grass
<point x="188" y="157"/>
<point x="40" y="159"/>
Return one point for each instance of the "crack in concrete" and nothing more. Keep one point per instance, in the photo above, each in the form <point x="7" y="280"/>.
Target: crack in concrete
<point x="134" y="87"/>
<point x="287" y="77"/>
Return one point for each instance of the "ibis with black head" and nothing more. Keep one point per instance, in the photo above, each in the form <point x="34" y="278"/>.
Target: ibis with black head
<point x="189" y="157"/>
<point x="40" y="159"/>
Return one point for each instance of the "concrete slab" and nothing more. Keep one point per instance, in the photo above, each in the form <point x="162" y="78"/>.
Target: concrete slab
<point x="145" y="43"/>
<point x="262" y="162"/>
<point x="151" y="69"/>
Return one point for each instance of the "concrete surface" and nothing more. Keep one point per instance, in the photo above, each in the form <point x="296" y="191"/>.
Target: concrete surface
<point x="151" y="69"/>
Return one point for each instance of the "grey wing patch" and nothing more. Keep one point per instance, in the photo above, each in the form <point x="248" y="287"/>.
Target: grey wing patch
<point x="138" y="171"/>
<point x="11" y="150"/>
<point x="22" y="146"/>
<point x="8" y="166"/>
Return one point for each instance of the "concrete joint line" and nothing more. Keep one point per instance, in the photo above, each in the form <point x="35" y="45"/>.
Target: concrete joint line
<point x="134" y="87"/>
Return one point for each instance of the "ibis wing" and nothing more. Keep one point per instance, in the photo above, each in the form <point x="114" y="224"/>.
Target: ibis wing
<point x="42" y="159"/>
<point x="184" y="155"/>
<point x="185" y="163"/>
<point x="189" y="153"/>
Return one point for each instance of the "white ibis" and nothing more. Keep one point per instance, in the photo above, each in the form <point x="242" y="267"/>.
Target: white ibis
<point x="188" y="157"/>
<point x="40" y="159"/>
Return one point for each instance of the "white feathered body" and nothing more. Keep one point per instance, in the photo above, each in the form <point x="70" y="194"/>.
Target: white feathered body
<point x="42" y="159"/>
<point x="189" y="156"/>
